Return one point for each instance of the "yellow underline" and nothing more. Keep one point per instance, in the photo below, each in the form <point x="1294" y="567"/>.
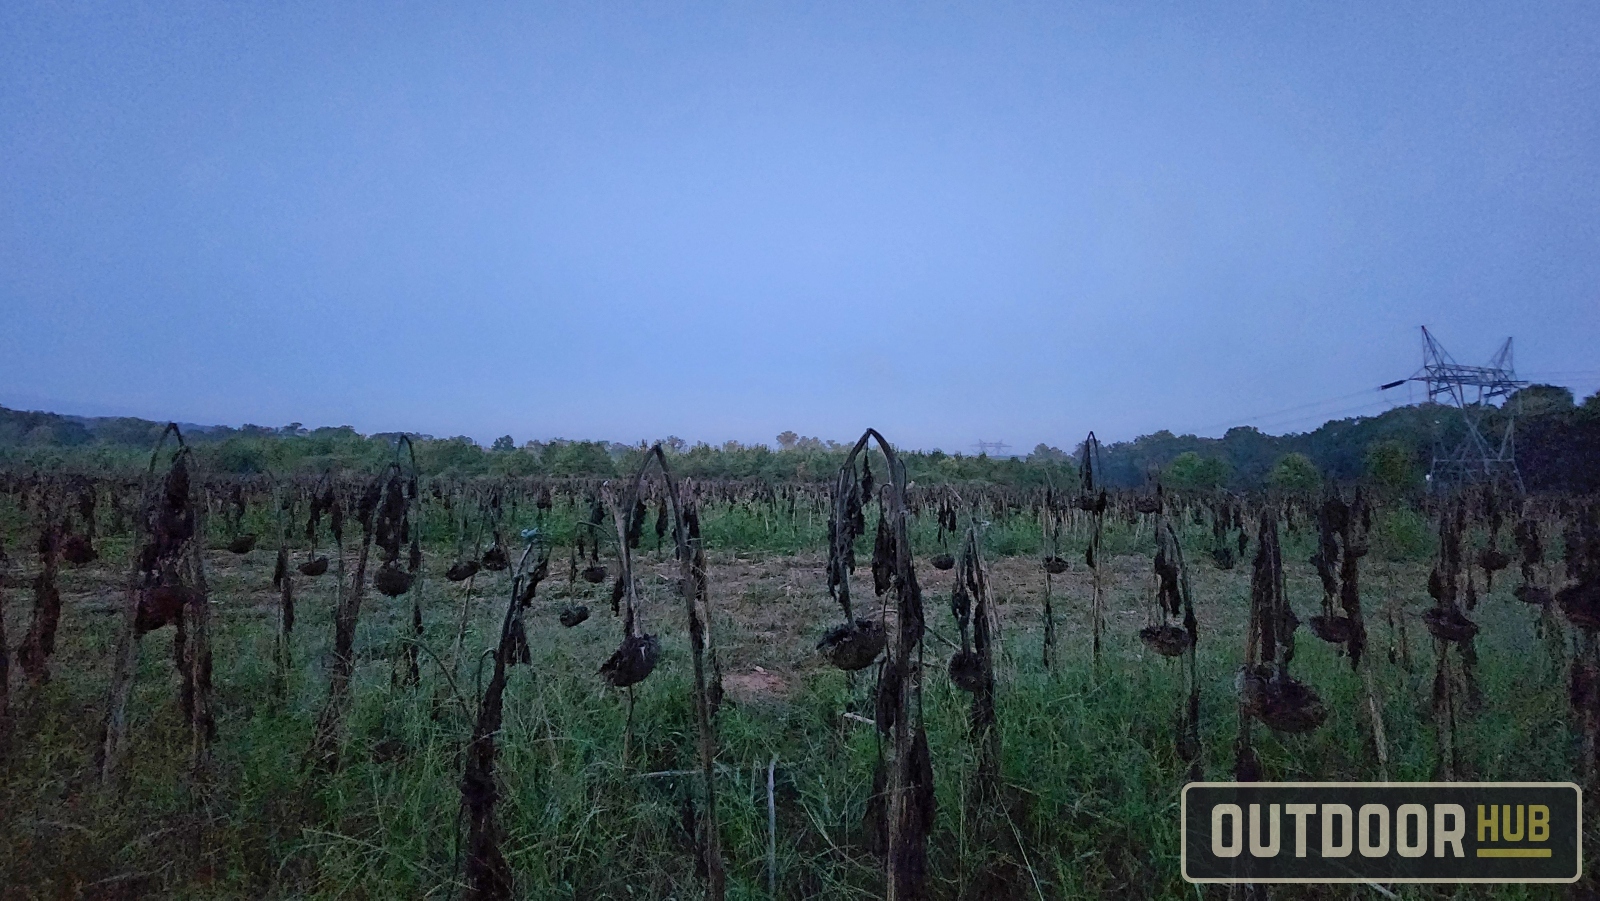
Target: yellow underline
<point x="1513" y="852"/>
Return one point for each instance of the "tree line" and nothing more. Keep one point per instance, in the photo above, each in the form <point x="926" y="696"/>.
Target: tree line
<point x="1557" y="446"/>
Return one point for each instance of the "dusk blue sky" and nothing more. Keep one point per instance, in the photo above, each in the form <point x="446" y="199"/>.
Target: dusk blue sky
<point x="949" y="222"/>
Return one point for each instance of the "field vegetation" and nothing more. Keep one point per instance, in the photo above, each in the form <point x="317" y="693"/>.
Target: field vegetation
<point x="362" y="667"/>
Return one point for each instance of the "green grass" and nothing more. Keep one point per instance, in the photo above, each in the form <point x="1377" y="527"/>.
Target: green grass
<point x="1093" y="779"/>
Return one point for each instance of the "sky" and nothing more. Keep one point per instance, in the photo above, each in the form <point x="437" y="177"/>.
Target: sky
<point x="951" y="222"/>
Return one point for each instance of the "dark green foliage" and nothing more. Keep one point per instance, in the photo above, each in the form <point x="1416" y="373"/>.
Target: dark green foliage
<point x="1558" y="446"/>
<point x="1294" y="473"/>
<point x="1190" y="471"/>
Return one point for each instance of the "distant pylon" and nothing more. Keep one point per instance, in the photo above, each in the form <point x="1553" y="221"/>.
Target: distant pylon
<point x="994" y="448"/>
<point x="1478" y="456"/>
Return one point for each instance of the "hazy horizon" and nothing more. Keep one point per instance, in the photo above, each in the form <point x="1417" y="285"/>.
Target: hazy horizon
<point x="1012" y="223"/>
<point x="972" y="450"/>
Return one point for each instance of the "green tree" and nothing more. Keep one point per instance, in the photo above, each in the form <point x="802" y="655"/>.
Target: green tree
<point x="1191" y="471"/>
<point x="1538" y="399"/>
<point x="564" y="458"/>
<point x="503" y="443"/>
<point x="1392" y="468"/>
<point x="1296" y="474"/>
<point x="1044" y="453"/>
<point x="514" y="463"/>
<point x="241" y="455"/>
<point x="459" y="454"/>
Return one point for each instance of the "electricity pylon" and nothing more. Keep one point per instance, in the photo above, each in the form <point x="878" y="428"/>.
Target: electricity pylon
<point x="1481" y="455"/>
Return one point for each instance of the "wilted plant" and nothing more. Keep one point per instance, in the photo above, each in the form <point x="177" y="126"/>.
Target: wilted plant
<point x="466" y="565"/>
<point x="1342" y="540"/>
<point x="1224" y="516"/>
<point x="636" y="657"/>
<point x="283" y="580"/>
<point x="856" y="643"/>
<point x="1579" y="600"/>
<point x="907" y="800"/>
<point x="693" y="588"/>
<point x="972" y="668"/>
<point x="1177" y="633"/>
<point x="466" y="569"/>
<point x="1149" y="503"/>
<point x="462" y="570"/>
<point x="324" y="746"/>
<point x="1333" y="521"/>
<point x="488" y="875"/>
<point x="1491" y="558"/>
<point x="1053" y="564"/>
<point x="661" y="522"/>
<point x="1534" y="587"/>
<point x="1450" y="627"/>
<point x="398" y="527"/>
<point x="496" y="558"/>
<point x="1092" y="500"/>
<point x="1172" y="630"/>
<point x="167" y="586"/>
<point x="239" y="541"/>
<point x="322" y="501"/>
<point x="944" y="560"/>
<point x="1267" y="691"/>
<point x="5" y="649"/>
<point x="33" y="655"/>
<point x="78" y="549"/>
<point x="595" y="572"/>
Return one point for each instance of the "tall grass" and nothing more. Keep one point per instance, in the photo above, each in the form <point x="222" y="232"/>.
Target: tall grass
<point x="1091" y="773"/>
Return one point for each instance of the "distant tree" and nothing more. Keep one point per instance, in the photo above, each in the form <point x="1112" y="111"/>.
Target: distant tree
<point x="59" y="432"/>
<point x="1250" y="454"/>
<point x="349" y="433"/>
<point x="514" y="463"/>
<point x="1592" y="404"/>
<point x="503" y="443"/>
<point x="787" y="440"/>
<point x="1535" y="400"/>
<point x="1192" y="471"/>
<point x="1392" y="468"/>
<point x="579" y="458"/>
<point x="1044" y="453"/>
<point x="128" y="430"/>
<point x="240" y="456"/>
<point x="460" y="453"/>
<point x="1296" y="474"/>
<point x="675" y="444"/>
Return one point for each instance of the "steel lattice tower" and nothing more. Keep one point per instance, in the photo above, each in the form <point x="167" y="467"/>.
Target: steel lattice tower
<point x="1485" y="453"/>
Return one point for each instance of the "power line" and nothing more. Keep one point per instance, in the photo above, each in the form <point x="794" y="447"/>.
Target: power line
<point x="1565" y="375"/>
<point x="1248" y="420"/>
<point x="1329" y="414"/>
<point x="1276" y="418"/>
<point x="1336" y="414"/>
